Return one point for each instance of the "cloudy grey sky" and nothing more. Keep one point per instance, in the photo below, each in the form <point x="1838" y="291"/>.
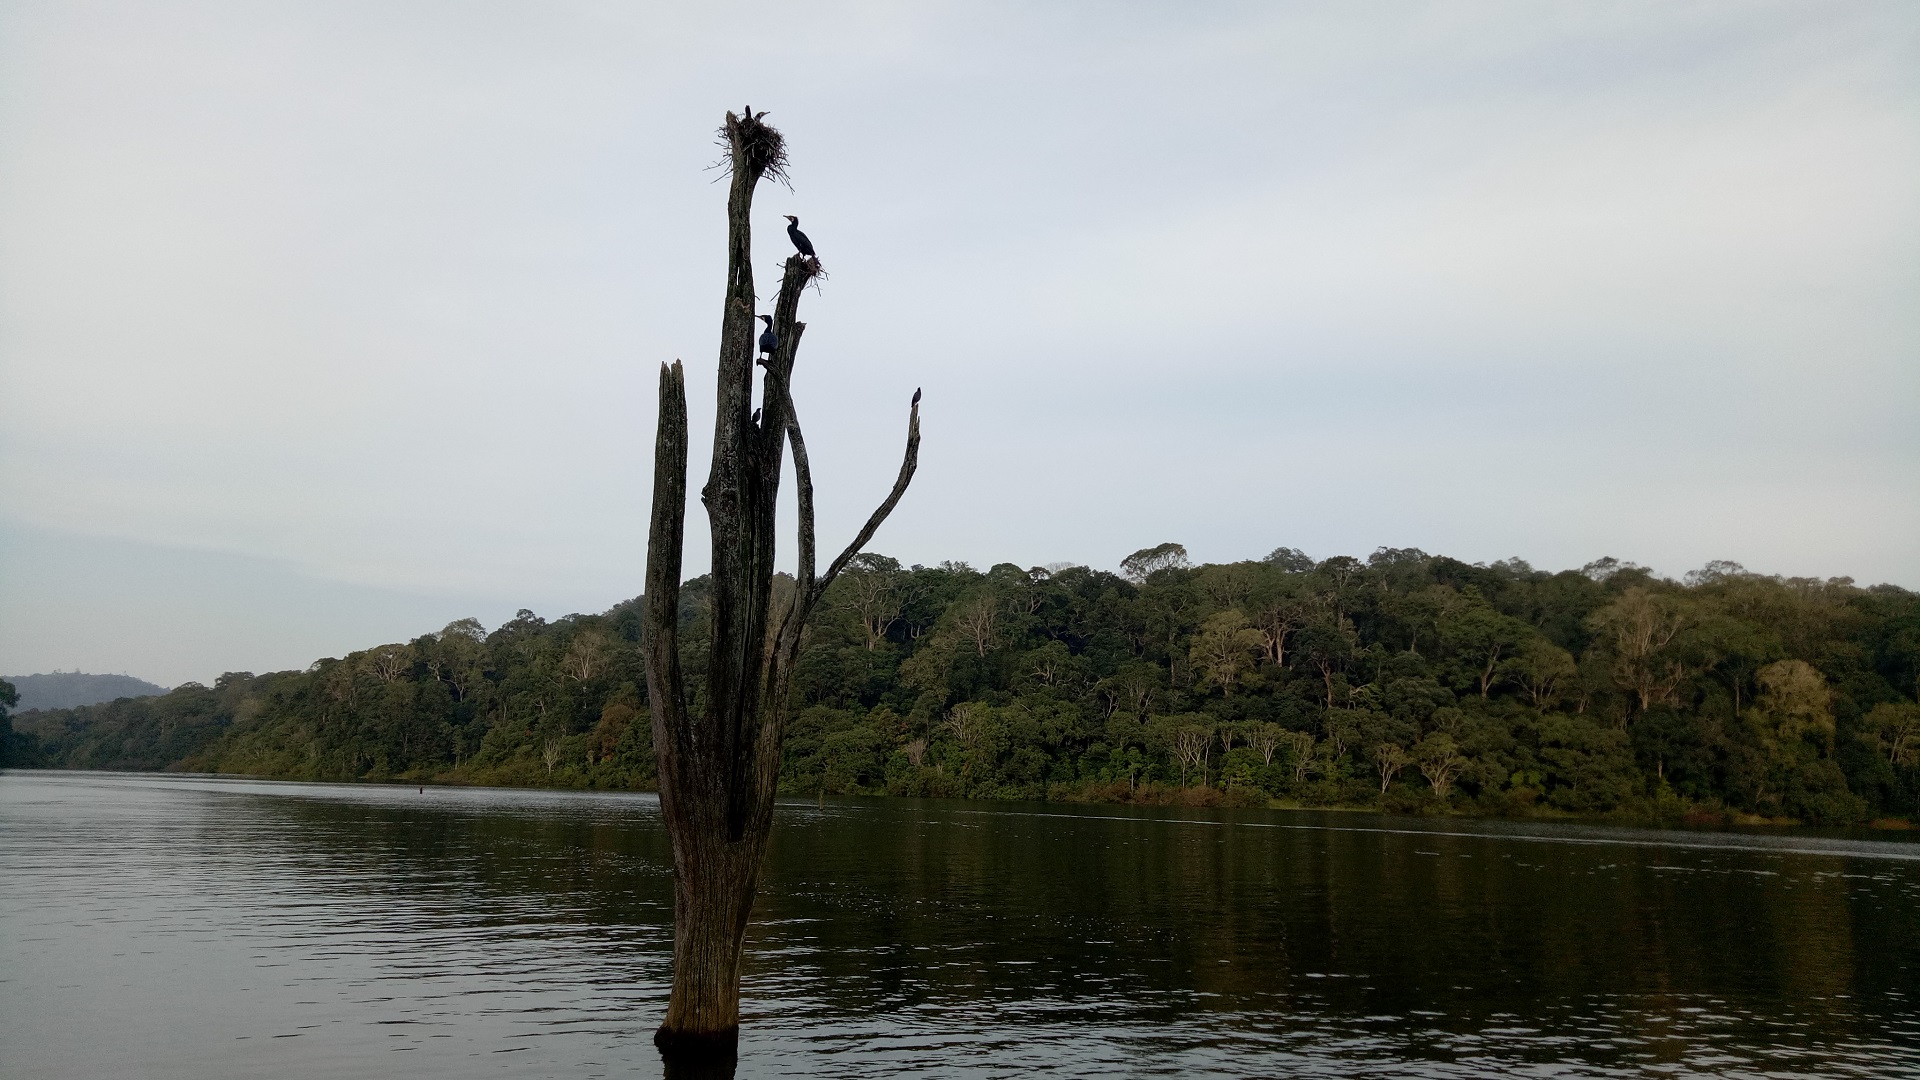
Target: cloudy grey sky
<point x="322" y="324"/>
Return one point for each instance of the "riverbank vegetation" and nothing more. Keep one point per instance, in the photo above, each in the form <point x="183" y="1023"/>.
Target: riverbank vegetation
<point x="1403" y="681"/>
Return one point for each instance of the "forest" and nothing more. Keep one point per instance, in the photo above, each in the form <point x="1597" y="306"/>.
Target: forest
<point x="1405" y="682"/>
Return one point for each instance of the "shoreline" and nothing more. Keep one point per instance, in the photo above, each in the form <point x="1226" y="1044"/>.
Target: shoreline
<point x="1676" y="814"/>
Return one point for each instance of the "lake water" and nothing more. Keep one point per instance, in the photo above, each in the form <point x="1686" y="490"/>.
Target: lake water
<point x="180" y="927"/>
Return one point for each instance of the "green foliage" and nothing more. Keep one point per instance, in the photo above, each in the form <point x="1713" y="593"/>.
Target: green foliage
<point x="16" y="749"/>
<point x="1406" y="681"/>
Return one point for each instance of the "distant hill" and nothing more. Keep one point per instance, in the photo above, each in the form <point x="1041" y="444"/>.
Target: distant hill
<point x="70" y="689"/>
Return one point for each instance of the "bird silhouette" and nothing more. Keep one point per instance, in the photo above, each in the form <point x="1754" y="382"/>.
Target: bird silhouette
<point x="916" y="395"/>
<point x="769" y="341"/>
<point x="800" y="241"/>
<point x="756" y="418"/>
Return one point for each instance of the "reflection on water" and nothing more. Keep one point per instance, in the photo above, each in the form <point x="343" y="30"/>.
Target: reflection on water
<point x="181" y="927"/>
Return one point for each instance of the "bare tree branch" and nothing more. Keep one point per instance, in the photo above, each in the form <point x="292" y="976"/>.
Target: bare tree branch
<point x="803" y="483"/>
<point x="665" y="538"/>
<point x="907" y="467"/>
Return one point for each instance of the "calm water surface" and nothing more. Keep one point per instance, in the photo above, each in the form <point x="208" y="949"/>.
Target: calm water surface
<point x="172" y="927"/>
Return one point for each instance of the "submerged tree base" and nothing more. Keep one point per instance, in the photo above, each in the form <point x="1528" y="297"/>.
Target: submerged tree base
<point x="698" y="1056"/>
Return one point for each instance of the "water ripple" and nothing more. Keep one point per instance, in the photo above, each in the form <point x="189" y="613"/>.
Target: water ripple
<point x="199" y="927"/>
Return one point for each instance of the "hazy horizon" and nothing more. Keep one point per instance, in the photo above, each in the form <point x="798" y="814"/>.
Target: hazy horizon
<point x="322" y="325"/>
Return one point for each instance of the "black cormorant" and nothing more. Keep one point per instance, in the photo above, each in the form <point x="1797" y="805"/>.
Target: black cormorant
<point x="756" y="418"/>
<point x="769" y="341"/>
<point x="916" y="395"/>
<point x="800" y="241"/>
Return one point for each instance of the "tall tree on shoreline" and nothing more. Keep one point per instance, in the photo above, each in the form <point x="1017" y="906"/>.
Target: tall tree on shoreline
<point x="719" y="760"/>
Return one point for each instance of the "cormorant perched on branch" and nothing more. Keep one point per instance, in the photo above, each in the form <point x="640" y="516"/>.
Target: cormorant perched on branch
<point x="916" y="395"/>
<point x="800" y="241"/>
<point x="756" y="418"/>
<point x="769" y="341"/>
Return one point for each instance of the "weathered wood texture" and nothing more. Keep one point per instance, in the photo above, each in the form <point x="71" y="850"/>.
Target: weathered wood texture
<point x="719" y="768"/>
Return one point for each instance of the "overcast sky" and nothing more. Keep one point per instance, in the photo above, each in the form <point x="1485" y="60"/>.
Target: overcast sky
<point x="324" y="324"/>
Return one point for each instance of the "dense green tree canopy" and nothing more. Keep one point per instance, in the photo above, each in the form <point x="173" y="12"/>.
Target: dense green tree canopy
<point x="1410" y="681"/>
<point x="11" y="750"/>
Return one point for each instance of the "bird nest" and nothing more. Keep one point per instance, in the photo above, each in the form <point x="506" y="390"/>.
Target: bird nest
<point x="754" y="144"/>
<point x="809" y="266"/>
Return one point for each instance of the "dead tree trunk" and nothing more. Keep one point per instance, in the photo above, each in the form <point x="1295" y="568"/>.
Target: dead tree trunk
<point x="718" y="768"/>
